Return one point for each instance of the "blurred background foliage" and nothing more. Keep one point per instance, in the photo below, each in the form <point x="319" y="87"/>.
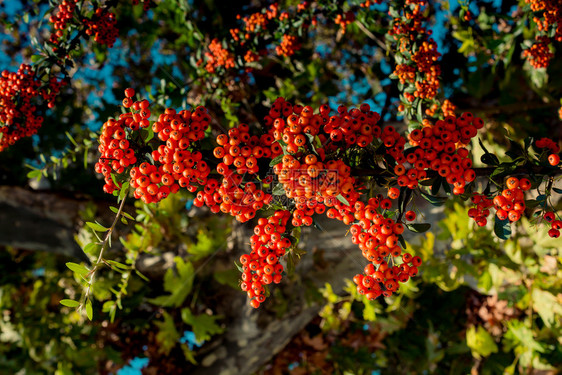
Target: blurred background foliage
<point x="480" y="305"/>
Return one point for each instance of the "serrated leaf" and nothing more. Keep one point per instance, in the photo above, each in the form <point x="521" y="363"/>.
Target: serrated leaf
<point x="480" y="342"/>
<point x="69" y="303"/>
<point x="502" y="228"/>
<point x="167" y="336"/>
<point x="97" y="227"/>
<point x="78" y="268"/>
<point x="178" y="282"/>
<point x="204" y="326"/>
<point x="547" y="306"/>
<point x="419" y="228"/>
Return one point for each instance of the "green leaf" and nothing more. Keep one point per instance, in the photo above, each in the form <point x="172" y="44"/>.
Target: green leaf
<point x="436" y="201"/>
<point x="204" y="326"/>
<point x="89" y="310"/>
<point x="167" y="336"/>
<point x="419" y="228"/>
<point x="78" y="268"/>
<point x="204" y="246"/>
<point x="228" y="277"/>
<point x="124" y="190"/>
<point x="97" y="227"/>
<point x="141" y="275"/>
<point x="69" y="303"/>
<point x="502" y="228"/>
<point x="115" y="210"/>
<point x="34" y="174"/>
<point x="480" y="342"/>
<point x="178" y="283"/>
<point x="342" y="199"/>
<point x="118" y="265"/>
<point x="71" y="138"/>
<point x="91" y="248"/>
<point x="547" y="306"/>
<point x="278" y="190"/>
<point x="276" y="160"/>
<point x="490" y="159"/>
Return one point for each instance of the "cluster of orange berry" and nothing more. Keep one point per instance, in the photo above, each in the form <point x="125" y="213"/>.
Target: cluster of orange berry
<point x="378" y="239"/>
<point x="102" y="26"/>
<point x="509" y="203"/>
<point x="289" y="45"/>
<point x="539" y="54"/>
<point x="261" y="267"/>
<point x="243" y="151"/>
<point x="555" y="225"/>
<point x="65" y="12"/>
<point x="480" y="213"/>
<point x="547" y="16"/>
<point x="344" y="19"/>
<point x="438" y="148"/>
<point x="218" y="57"/>
<point x="554" y="157"/>
<point x="420" y="71"/>
<point x="21" y="93"/>
<point x="231" y="197"/>
<point x="152" y="183"/>
<point x="172" y="166"/>
<point x="552" y="11"/>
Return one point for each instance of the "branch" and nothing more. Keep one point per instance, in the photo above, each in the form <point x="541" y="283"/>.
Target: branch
<point x="106" y="240"/>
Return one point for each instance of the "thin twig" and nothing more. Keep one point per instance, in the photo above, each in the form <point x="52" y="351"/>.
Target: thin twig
<point x="103" y="247"/>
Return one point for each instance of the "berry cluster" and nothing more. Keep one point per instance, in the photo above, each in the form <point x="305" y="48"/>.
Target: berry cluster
<point x="103" y="27"/>
<point x="261" y="267"/>
<point x="510" y="204"/>
<point x="437" y="148"/>
<point x="539" y="54"/>
<point x="555" y="225"/>
<point x="218" y="57"/>
<point x="482" y="209"/>
<point x="243" y="151"/>
<point x="289" y="45"/>
<point x="547" y="16"/>
<point x="554" y="149"/>
<point x="344" y="20"/>
<point x="551" y="13"/>
<point x="60" y="20"/>
<point x="152" y="183"/>
<point x="21" y="93"/>
<point x="173" y="165"/>
<point x="417" y="56"/>
<point x="233" y="197"/>
<point x="116" y="152"/>
<point x="378" y="238"/>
